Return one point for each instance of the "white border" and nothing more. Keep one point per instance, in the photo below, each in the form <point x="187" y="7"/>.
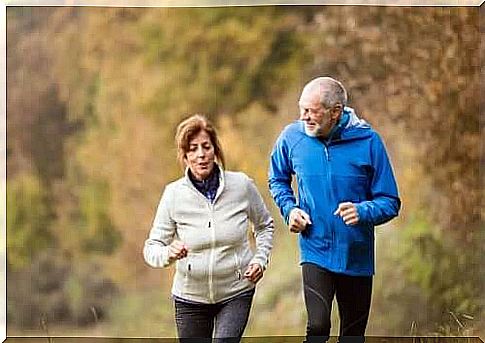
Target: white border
<point x="136" y="3"/>
<point x="223" y="3"/>
<point x="3" y="178"/>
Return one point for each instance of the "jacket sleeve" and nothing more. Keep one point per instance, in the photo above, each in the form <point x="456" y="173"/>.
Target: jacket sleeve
<point x="263" y="225"/>
<point x="161" y="234"/>
<point x="384" y="203"/>
<point x="279" y="180"/>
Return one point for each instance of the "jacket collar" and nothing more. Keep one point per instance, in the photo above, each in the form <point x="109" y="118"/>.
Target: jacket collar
<point x="189" y="183"/>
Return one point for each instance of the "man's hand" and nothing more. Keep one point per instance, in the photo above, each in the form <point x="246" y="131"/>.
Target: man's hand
<point x="298" y="220"/>
<point x="254" y="272"/>
<point x="348" y="212"/>
<point x="177" y="250"/>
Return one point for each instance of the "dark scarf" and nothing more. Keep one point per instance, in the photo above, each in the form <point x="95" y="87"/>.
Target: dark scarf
<point x="209" y="186"/>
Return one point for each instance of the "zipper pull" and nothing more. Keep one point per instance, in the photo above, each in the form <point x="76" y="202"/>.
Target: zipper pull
<point x="238" y="273"/>
<point x="189" y="267"/>
<point x="209" y="224"/>
<point x="327" y="155"/>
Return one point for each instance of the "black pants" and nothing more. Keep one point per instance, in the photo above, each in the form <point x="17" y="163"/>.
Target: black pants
<point x="225" y="321"/>
<point x="353" y="298"/>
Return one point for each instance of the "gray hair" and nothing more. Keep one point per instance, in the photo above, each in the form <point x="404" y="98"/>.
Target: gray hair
<point x="331" y="91"/>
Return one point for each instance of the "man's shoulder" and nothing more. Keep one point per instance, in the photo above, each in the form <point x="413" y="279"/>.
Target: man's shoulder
<point x="292" y="133"/>
<point x="374" y="135"/>
<point x="295" y="127"/>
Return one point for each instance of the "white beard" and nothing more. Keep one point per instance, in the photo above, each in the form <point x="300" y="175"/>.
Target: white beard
<point x="313" y="132"/>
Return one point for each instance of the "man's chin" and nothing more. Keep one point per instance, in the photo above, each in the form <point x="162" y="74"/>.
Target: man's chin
<point x="312" y="132"/>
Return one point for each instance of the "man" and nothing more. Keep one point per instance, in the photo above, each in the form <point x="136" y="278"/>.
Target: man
<point x="345" y="187"/>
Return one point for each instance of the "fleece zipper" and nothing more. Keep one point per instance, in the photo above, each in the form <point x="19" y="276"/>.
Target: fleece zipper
<point x="211" y="259"/>
<point x="211" y="227"/>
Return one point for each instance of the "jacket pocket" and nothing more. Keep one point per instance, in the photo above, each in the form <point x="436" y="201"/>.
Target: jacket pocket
<point x="237" y="266"/>
<point x="187" y="271"/>
<point x="359" y="255"/>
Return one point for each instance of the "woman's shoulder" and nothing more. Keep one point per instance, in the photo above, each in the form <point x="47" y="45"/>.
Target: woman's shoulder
<point x="175" y="184"/>
<point x="236" y="177"/>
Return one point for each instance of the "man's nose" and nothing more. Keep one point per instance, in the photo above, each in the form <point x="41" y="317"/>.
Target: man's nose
<point x="304" y="115"/>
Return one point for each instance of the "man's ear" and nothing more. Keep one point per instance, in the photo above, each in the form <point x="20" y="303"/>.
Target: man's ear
<point x="337" y="111"/>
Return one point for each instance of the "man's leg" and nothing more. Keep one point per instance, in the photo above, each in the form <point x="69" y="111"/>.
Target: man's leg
<point x="318" y="290"/>
<point x="232" y="318"/>
<point x="353" y="298"/>
<point x="195" y="322"/>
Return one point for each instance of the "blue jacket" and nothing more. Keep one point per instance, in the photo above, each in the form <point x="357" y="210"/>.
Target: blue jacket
<point x="352" y="165"/>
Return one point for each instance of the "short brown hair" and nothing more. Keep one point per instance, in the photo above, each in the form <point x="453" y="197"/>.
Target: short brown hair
<point x="190" y="127"/>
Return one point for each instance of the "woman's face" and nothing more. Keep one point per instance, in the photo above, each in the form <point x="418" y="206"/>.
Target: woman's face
<point x="200" y="156"/>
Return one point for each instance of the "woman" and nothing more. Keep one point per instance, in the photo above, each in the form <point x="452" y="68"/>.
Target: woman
<point x="201" y="224"/>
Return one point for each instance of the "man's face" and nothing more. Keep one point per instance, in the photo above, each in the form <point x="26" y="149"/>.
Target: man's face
<point x="318" y="120"/>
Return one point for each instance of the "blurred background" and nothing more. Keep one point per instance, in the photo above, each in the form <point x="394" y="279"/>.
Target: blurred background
<point x="93" y="99"/>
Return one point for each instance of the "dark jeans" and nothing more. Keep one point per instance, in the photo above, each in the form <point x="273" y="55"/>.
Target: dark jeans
<point x="353" y="298"/>
<point x="225" y="321"/>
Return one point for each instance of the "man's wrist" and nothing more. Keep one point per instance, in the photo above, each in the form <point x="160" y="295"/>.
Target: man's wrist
<point x="288" y="212"/>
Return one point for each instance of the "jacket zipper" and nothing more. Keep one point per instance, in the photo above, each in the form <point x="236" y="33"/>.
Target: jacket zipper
<point x="211" y="261"/>
<point x="327" y="156"/>
<point x="213" y="234"/>
<point x="329" y="182"/>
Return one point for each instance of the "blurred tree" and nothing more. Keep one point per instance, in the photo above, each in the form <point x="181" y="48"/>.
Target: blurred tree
<point x="28" y="220"/>
<point x="38" y="128"/>
<point x="36" y="122"/>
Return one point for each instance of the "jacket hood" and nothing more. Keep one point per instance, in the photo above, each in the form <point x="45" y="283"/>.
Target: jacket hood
<point x="352" y="126"/>
<point x="354" y="120"/>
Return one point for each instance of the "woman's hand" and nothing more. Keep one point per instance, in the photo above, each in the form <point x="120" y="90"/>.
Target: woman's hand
<point x="177" y="250"/>
<point x="254" y="272"/>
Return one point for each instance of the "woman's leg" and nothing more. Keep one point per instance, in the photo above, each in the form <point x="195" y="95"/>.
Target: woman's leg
<point x="195" y="322"/>
<point x="232" y="318"/>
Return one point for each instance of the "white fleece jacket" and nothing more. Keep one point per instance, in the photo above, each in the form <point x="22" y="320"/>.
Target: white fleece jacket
<point x="215" y="234"/>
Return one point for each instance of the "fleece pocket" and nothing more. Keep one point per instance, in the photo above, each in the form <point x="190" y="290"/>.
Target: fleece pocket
<point x="237" y="267"/>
